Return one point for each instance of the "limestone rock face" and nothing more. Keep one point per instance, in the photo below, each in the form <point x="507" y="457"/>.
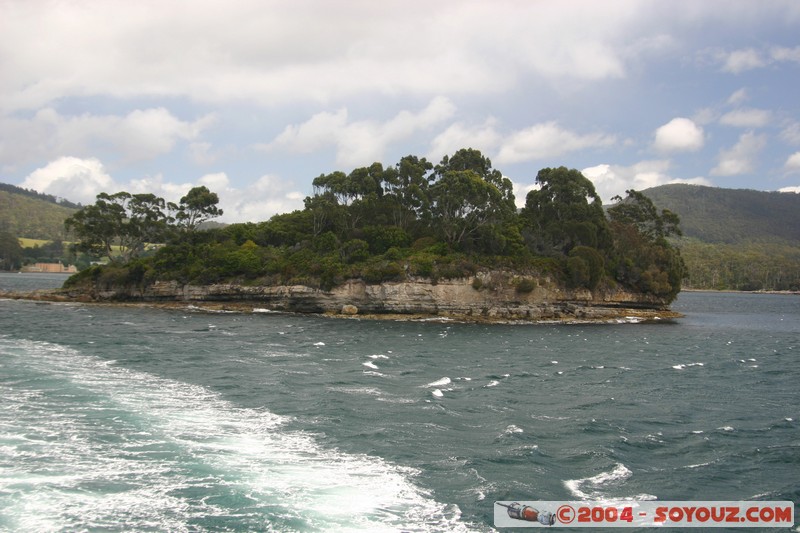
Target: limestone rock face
<point x="349" y="309"/>
<point x="493" y="295"/>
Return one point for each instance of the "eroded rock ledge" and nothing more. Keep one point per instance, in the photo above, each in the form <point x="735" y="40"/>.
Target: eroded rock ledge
<point x="490" y="296"/>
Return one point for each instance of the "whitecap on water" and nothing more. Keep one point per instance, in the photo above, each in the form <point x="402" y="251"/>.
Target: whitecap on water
<point x="598" y="487"/>
<point x="439" y="382"/>
<point x="438" y="393"/>
<point x="683" y="366"/>
<point x="168" y="454"/>
<point x="370" y="364"/>
<point x="371" y="391"/>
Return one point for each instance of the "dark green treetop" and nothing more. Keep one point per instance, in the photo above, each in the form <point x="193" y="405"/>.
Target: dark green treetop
<point x="564" y="212"/>
<point x="199" y="205"/>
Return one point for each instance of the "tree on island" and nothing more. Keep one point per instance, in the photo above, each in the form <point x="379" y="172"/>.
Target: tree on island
<point x="563" y="213"/>
<point x="118" y="226"/>
<point x="198" y="206"/>
<point x="644" y="258"/>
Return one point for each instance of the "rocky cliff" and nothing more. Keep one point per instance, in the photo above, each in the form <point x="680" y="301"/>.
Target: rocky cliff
<point x="487" y="296"/>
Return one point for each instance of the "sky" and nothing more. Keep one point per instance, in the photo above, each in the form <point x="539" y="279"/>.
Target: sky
<point x="256" y="98"/>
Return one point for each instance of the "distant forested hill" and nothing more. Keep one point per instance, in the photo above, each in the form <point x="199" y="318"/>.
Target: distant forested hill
<point x="33" y="215"/>
<point x="731" y="216"/>
<point x="736" y="239"/>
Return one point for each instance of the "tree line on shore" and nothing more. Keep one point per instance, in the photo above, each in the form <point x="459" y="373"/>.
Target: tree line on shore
<point x="382" y="223"/>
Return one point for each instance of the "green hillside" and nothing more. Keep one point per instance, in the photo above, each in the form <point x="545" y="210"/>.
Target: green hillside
<point x="31" y="215"/>
<point x="731" y="216"/>
<point x="735" y="239"/>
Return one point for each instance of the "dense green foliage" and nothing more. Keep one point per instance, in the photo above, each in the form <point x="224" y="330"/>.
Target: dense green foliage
<point x="381" y="223"/>
<point x="735" y="239"/>
<point x="11" y="253"/>
<point x="27" y="216"/>
<point x="119" y="226"/>
<point x="743" y="267"/>
<point x="731" y="216"/>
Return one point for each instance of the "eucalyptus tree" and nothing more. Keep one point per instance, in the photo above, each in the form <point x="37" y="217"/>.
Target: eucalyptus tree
<point x="644" y="258"/>
<point x="407" y="190"/>
<point x="469" y="198"/>
<point x="118" y="226"/>
<point x="640" y="211"/>
<point x="564" y="212"/>
<point x="198" y="206"/>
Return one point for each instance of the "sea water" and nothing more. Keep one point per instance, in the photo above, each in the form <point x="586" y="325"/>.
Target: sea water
<point x="144" y="419"/>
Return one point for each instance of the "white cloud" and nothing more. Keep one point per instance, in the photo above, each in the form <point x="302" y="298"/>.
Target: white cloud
<point x="201" y="153"/>
<point x="548" y="139"/>
<point x="793" y="162"/>
<point x="614" y="180"/>
<point x="745" y="59"/>
<point x="81" y="180"/>
<point x="795" y="189"/>
<point x="274" y="52"/>
<point x="704" y="116"/>
<point x="791" y="133"/>
<point x="77" y="180"/>
<point x="271" y="53"/>
<point x="738" y="97"/>
<point x="139" y="135"/>
<point x="253" y="202"/>
<point x="217" y="181"/>
<point x="258" y="201"/>
<point x="362" y="142"/>
<point x="320" y="130"/>
<point x="171" y="192"/>
<point x="746" y="118"/>
<point x="780" y="53"/>
<point x="521" y="191"/>
<point x="740" y="159"/>
<point x="740" y="61"/>
<point x="679" y="135"/>
<point x="483" y="137"/>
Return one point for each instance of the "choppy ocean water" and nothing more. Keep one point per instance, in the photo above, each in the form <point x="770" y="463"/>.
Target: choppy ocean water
<point x="143" y="419"/>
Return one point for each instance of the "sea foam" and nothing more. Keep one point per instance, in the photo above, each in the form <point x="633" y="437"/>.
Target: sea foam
<point x="127" y="449"/>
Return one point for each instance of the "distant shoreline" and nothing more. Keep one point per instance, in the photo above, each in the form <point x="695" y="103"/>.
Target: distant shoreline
<point x="795" y="293"/>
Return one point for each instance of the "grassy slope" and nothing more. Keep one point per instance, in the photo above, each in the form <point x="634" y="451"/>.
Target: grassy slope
<point x="32" y="218"/>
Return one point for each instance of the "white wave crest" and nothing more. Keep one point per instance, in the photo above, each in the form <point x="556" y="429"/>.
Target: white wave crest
<point x="168" y="454"/>
<point x="597" y="487"/>
<point x="439" y="382"/>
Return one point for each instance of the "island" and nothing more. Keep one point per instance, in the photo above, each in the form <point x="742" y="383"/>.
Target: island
<point x="411" y="239"/>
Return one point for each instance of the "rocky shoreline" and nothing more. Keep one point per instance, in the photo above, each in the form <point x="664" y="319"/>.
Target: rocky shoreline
<point x="494" y="297"/>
